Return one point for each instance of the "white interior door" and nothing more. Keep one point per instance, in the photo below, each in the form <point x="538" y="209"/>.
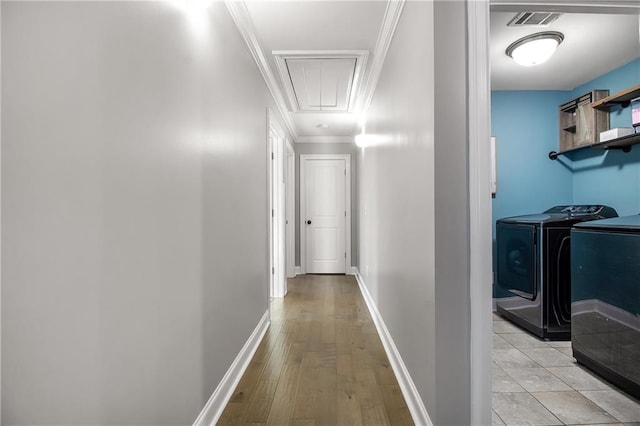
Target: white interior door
<point x="325" y="217"/>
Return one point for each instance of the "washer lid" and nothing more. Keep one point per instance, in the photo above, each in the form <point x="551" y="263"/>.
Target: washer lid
<point x="549" y="218"/>
<point x="565" y="215"/>
<point x="625" y="223"/>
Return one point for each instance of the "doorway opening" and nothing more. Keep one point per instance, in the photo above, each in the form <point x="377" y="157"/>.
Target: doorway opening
<point x="277" y="214"/>
<point x="545" y="92"/>
<point x="290" y="207"/>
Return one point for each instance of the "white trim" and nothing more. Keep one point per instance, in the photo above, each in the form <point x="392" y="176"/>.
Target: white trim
<point x="267" y="215"/>
<point x="0" y="226"/>
<point x="240" y="15"/>
<point x="411" y="395"/>
<point x="270" y="205"/>
<point x="480" y="239"/>
<point x="347" y="183"/>
<point x="280" y="57"/>
<point x="290" y="209"/>
<point x="353" y="270"/>
<point x="215" y="405"/>
<point x="387" y="29"/>
<point x="325" y="139"/>
<point x="298" y="271"/>
<point x="276" y="213"/>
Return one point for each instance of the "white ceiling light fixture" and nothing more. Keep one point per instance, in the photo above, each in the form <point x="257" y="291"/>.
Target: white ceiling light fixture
<point x="535" y="49"/>
<point x="193" y="6"/>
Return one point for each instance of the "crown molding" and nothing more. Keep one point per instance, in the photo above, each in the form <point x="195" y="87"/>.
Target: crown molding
<point x="240" y="15"/>
<point x="325" y="139"/>
<point x="387" y="29"/>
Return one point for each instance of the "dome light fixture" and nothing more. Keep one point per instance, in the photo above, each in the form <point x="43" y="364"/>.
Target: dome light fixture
<point x="535" y="49"/>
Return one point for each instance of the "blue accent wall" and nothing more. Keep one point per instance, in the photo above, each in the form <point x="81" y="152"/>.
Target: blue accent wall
<point x="610" y="177"/>
<point x="619" y="79"/>
<point x="525" y="124"/>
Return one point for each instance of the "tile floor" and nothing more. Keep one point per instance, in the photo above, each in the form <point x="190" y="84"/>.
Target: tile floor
<point x="539" y="383"/>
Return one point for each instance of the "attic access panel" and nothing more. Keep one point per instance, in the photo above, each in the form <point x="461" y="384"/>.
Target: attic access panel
<point x="321" y="81"/>
<point x="322" y="84"/>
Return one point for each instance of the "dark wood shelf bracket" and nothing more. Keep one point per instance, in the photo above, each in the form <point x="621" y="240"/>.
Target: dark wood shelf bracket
<point x="623" y="143"/>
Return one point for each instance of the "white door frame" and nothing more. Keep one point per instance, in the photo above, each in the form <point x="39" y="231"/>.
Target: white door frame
<point x="290" y="208"/>
<point x="275" y="213"/>
<point x="479" y="113"/>
<point x="480" y="238"/>
<point x="347" y="191"/>
<point x="0" y="245"/>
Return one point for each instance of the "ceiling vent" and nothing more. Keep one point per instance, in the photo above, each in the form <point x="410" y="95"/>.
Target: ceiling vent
<point x="538" y="19"/>
<point x="321" y="81"/>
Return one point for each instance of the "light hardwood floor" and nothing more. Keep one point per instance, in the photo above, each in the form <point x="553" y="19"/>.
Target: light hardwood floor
<point x="320" y="363"/>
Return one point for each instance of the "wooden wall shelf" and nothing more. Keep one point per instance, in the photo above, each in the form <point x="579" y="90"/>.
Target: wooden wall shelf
<point x="581" y="124"/>
<point x="623" y="98"/>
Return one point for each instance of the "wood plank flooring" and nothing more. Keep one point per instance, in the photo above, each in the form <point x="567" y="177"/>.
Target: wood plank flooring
<point x="321" y="363"/>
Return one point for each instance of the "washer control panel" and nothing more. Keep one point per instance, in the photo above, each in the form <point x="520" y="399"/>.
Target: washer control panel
<point x="582" y="209"/>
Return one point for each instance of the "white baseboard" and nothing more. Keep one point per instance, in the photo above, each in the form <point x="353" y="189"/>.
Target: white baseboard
<point x="351" y="271"/>
<point x="409" y="391"/>
<point x="214" y="407"/>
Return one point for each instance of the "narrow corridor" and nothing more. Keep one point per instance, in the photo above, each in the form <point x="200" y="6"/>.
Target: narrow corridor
<point x="320" y="363"/>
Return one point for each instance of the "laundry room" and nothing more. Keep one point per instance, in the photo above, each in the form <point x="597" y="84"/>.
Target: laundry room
<point x="566" y="208"/>
<point x="525" y="125"/>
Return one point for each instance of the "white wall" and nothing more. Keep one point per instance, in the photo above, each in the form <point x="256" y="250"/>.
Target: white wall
<point x="414" y="205"/>
<point x="396" y="192"/>
<point x="134" y="210"/>
<point x="452" y="238"/>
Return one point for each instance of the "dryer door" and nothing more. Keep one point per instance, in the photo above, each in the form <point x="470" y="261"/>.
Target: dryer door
<point x="516" y="263"/>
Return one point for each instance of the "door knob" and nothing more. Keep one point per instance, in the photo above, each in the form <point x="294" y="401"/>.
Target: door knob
<point x="308" y="222"/>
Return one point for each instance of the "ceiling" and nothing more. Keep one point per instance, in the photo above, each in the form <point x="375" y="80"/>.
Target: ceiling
<point x="319" y="26"/>
<point x="593" y="45"/>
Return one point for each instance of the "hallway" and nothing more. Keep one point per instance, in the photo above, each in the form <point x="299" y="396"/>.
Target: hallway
<point x="142" y="207"/>
<point x="320" y="363"/>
